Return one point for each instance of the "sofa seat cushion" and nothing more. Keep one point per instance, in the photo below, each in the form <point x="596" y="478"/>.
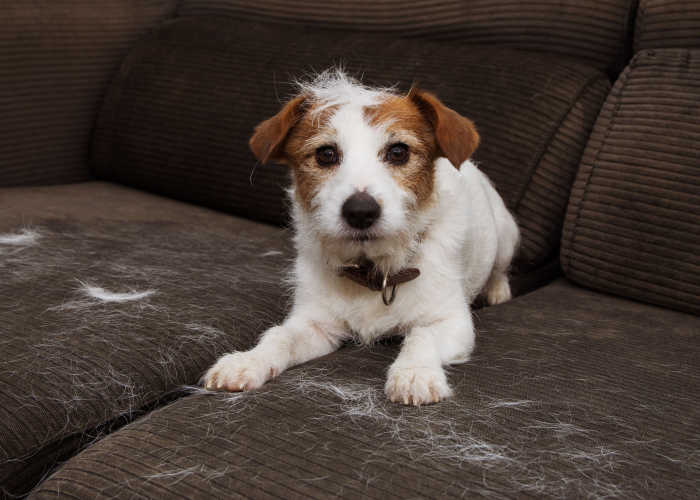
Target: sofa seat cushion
<point x="112" y="299"/>
<point x="179" y="114"/>
<point x="633" y="222"/>
<point x="570" y="393"/>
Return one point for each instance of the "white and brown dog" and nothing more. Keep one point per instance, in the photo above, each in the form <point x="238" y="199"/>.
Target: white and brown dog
<point x="395" y="231"/>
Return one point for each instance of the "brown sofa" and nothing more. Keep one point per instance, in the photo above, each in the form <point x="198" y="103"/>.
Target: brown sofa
<point x="124" y="165"/>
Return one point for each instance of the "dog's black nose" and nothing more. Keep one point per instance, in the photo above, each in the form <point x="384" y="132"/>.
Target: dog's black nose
<point x="361" y="210"/>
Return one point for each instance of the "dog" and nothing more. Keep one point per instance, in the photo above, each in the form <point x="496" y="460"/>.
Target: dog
<point x="395" y="229"/>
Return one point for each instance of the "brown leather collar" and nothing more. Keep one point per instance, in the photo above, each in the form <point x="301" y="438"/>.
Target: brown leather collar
<point x="366" y="274"/>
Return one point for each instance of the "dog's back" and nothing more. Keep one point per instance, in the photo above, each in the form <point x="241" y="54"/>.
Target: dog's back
<point x="497" y="289"/>
<point x="470" y="205"/>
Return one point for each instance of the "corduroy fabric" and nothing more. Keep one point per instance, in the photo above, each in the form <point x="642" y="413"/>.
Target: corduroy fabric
<point x="56" y="59"/>
<point x="73" y="366"/>
<point x="662" y="24"/>
<point x="633" y="222"/>
<point x="542" y="200"/>
<point x="592" y="31"/>
<point x="74" y="369"/>
<point x="569" y="394"/>
<point x="178" y="117"/>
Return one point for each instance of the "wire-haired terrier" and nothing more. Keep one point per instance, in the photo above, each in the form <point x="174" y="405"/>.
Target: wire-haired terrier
<point x="395" y="231"/>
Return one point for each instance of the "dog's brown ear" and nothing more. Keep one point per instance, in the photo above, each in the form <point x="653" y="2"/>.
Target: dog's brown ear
<point x="267" y="142"/>
<point x="456" y="135"/>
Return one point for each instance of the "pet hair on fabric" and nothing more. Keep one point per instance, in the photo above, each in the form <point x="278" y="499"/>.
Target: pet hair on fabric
<point x="24" y="237"/>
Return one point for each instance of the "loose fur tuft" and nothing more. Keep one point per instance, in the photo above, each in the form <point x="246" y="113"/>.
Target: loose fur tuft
<point x="333" y="88"/>
<point x="24" y="237"/>
<point x="99" y="293"/>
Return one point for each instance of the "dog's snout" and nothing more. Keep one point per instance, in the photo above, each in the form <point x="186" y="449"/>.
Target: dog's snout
<point x="361" y="210"/>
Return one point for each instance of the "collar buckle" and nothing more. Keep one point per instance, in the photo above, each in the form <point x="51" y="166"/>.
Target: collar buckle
<point x="390" y="299"/>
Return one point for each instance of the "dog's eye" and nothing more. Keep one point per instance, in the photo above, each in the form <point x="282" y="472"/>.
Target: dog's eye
<point x="397" y="154"/>
<point x="327" y="156"/>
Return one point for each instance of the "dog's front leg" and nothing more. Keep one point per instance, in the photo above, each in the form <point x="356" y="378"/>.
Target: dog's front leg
<point x="299" y="339"/>
<point x="417" y="376"/>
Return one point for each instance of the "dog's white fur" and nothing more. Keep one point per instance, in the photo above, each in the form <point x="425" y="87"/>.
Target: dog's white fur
<point x="462" y="241"/>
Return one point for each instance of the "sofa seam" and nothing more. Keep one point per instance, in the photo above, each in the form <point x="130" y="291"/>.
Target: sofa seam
<point x="638" y="34"/>
<point x="112" y="97"/>
<point x="147" y="406"/>
<point x="102" y="131"/>
<point x="548" y="143"/>
<point x="571" y="240"/>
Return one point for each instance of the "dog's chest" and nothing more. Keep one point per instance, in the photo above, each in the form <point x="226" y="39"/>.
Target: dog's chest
<point x="368" y="318"/>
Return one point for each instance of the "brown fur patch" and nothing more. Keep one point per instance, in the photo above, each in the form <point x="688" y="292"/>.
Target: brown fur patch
<point x="267" y="142"/>
<point x="405" y="123"/>
<point x="456" y="135"/>
<point x="310" y="132"/>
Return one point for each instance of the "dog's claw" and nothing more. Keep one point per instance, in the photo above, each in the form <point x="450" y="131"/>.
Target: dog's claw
<point x="240" y="371"/>
<point x="417" y="385"/>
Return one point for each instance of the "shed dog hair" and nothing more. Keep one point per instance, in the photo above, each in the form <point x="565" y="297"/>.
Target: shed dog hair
<point x="395" y="231"/>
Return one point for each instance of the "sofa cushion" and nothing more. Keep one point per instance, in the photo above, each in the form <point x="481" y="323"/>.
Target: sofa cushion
<point x="178" y="117"/>
<point x="569" y="394"/>
<point x="113" y="299"/>
<point x="57" y="58"/>
<point x="596" y="32"/>
<point x="633" y="223"/>
<point x="664" y="24"/>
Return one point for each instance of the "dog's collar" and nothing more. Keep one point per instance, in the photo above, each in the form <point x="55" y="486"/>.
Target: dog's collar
<point x="366" y="274"/>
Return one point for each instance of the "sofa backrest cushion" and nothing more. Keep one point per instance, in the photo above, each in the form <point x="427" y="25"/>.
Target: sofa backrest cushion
<point x="664" y="24"/>
<point x="179" y="114"/>
<point x="593" y="31"/>
<point x="633" y="222"/>
<point x="56" y="59"/>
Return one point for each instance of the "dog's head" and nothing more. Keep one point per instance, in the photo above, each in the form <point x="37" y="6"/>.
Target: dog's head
<point x="362" y="162"/>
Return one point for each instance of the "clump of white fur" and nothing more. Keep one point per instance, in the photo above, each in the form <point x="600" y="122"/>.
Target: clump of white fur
<point x="99" y="293"/>
<point x="95" y="295"/>
<point x="25" y="237"/>
<point x="334" y="87"/>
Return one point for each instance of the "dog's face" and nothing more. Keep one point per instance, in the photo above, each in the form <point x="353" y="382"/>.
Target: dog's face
<point x="363" y="164"/>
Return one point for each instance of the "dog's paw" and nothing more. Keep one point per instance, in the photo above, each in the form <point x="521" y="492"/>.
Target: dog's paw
<point x="498" y="290"/>
<point x="239" y="371"/>
<point x="417" y="385"/>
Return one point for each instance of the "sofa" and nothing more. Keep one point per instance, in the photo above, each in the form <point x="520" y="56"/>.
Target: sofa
<point x="139" y="240"/>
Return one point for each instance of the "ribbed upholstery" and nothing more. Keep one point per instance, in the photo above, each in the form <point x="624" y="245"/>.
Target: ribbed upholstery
<point x="179" y="115"/>
<point x="569" y="395"/>
<point x="56" y="59"/>
<point x="72" y="365"/>
<point x="542" y="200"/>
<point x="667" y="24"/>
<point x="633" y="222"/>
<point x="593" y="31"/>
